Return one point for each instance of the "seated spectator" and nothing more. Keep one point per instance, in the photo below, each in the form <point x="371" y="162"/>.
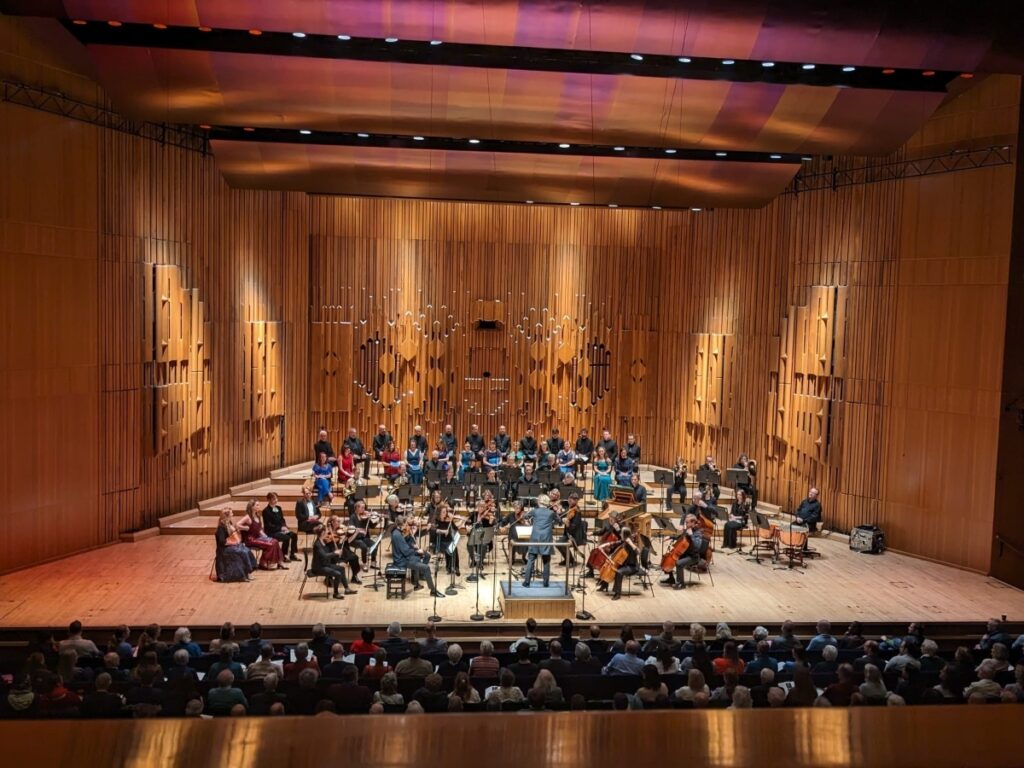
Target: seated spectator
<point x="699" y="659"/>
<point x="394" y="643"/>
<point x="565" y="636"/>
<point x="226" y="661"/>
<point x="555" y="663"/>
<point x="378" y="666"/>
<point x="723" y="635"/>
<point x="1016" y="688"/>
<point x="333" y="668"/>
<point x="597" y="645"/>
<point x="484" y="665"/>
<point x="840" y="693"/>
<point x="20" y="701"/>
<point x="303" y="700"/>
<point x="994" y="634"/>
<point x="365" y="642"/>
<point x="524" y="665"/>
<point x="730" y="660"/>
<point x="787" y="640"/>
<point x="224" y="696"/>
<point x="741" y="698"/>
<point x="79" y="644"/>
<point x="625" y="635"/>
<point x="180" y="670"/>
<point x="225" y="640"/>
<point x="803" y="693"/>
<point x="56" y="700"/>
<point x="321" y="642"/>
<point x="776" y="697"/>
<point x="723" y="694"/>
<point x="262" y="703"/>
<point x="252" y="646"/>
<point x="910" y="688"/>
<point x="930" y="660"/>
<point x="760" y="634"/>
<point x="432" y="644"/>
<point x="697" y="634"/>
<point x="547" y="684"/>
<point x="762" y="659"/>
<point x="414" y="708"/>
<point x="414" y="666"/>
<point x="112" y="666"/>
<point x="146" y="697"/>
<point x="985" y="684"/>
<point x="505" y="691"/>
<point x="1001" y="657"/>
<point x="68" y="669"/>
<point x="665" y="640"/>
<point x="625" y="663"/>
<point x="463" y="690"/>
<point x="432" y="696"/>
<point x="264" y="665"/>
<point x="183" y="641"/>
<point x="530" y="639"/>
<point x="797" y="661"/>
<point x="872" y="690"/>
<point x="652" y="688"/>
<point x="583" y="662"/>
<point x="694" y="684"/>
<point x="350" y="697"/>
<point x="907" y="657"/>
<point x="871" y="656"/>
<point x="303" y="660"/>
<point x="853" y="638"/>
<point x="759" y="693"/>
<point x="962" y="669"/>
<point x="823" y="638"/>
<point x="664" y="661"/>
<point x="119" y="642"/>
<point x="829" y="662"/>
<point x="37" y="672"/>
<point x="578" y="702"/>
<point x="948" y="687"/>
<point x="454" y="664"/>
<point x="148" y="665"/>
<point x="537" y="701"/>
<point x="388" y="692"/>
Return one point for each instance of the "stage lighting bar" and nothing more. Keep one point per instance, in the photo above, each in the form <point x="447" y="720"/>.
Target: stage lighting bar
<point x="474" y="144"/>
<point x="442" y="52"/>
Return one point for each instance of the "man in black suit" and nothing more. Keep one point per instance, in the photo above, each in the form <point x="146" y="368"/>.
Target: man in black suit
<point x="380" y="441"/>
<point x="584" y="451"/>
<point x="633" y="449"/>
<point x="639" y="491"/>
<point x="358" y="450"/>
<point x="611" y="448"/>
<point x="323" y="445"/>
<point x="420" y="439"/>
<point x="337" y="665"/>
<point x="528" y="446"/>
<point x="555" y="441"/>
<point x="809" y="511"/>
<point x="559" y="667"/>
<point x="475" y="440"/>
<point x="450" y="441"/>
<point x="503" y="441"/>
<point x="306" y="514"/>
<point x="275" y="526"/>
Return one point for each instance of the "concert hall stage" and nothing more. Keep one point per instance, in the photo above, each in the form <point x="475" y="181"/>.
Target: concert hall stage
<point x="166" y="579"/>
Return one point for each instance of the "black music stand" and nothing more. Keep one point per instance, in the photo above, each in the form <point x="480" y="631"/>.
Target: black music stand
<point x="365" y="493"/>
<point x="664" y="477"/>
<point x="434" y="477"/>
<point x="453" y="493"/>
<point x="529" y="492"/>
<point x="736" y="477"/>
<point x="474" y="477"/>
<point x="550" y="477"/>
<point x="708" y="477"/>
<point x="373" y="555"/>
<point x="494" y="488"/>
<point x="510" y="474"/>
<point x="480" y="537"/>
<point x="760" y="522"/>
<point x="409" y="492"/>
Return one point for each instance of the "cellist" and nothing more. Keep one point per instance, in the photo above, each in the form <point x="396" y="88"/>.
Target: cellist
<point x="623" y="560"/>
<point x="609" y="535"/>
<point x="693" y="533"/>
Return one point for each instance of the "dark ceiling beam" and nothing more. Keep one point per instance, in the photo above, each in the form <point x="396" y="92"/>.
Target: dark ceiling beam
<point x="439" y="52"/>
<point x="477" y="144"/>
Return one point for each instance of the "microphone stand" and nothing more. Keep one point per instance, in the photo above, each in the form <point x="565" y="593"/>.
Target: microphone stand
<point x="494" y="613"/>
<point x="583" y="614"/>
<point x="435" y="618"/>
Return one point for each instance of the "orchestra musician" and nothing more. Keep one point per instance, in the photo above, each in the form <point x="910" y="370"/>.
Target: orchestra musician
<point x="751" y="485"/>
<point x="434" y="465"/>
<point x="407" y="555"/>
<point x="392" y="461"/>
<point x="678" y="483"/>
<point x="325" y="563"/>
<point x="503" y="441"/>
<point x="702" y="510"/>
<point x="528" y="446"/>
<point x="543" y="454"/>
<point x="639" y="491"/>
<point x="354" y="444"/>
<point x="362" y="520"/>
<point x="322" y="473"/>
<point x="275" y="526"/>
<point x="528" y="478"/>
<point x="493" y="455"/>
<point x="543" y="518"/>
<point x="566" y="459"/>
<point x="346" y="465"/>
<point x="466" y="459"/>
<point x="443" y="528"/>
<point x="739" y="517"/>
<point x="509" y="524"/>
<point x="254" y="537"/>
<point x="575" y="530"/>
<point x="584" y="450"/>
<point x="306" y="513"/>
<point x="392" y="508"/>
<point x="627" y="567"/>
<point x="633" y="449"/>
<point x="809" y="511"/>
<point x="602" y="475"/>
<point x="414" y="460"/>
<point x="697" y="546"/>
<point x="714" y="492"/>
<point x="475" y="440"/>
<point x="485" y="516"/>
<point x="341" y="544"/>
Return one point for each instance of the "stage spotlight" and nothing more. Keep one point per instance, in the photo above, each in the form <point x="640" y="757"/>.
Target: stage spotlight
<point x="656" y="207"/>
<point x="390" y="39"/>
<point x="417" y="138"/>
<point x="363" y="135"/>
<point x="619" y="149"/>
<point x="636" y="57"/>
<point x="807" y="66"/>
<point x="436" y="42"/>
<point x="563" y="146"/>
<point x="888" y="71"/>
<point x="684" y="59"/>
<point x="305" y="132"/>
<point x="574" y="203"/>
<point x="529" y="202"/>
<point x="849" y="69"/>
<point x="612" y="205"/>
<point x="767" y="64"/>
<point x="474" y="141"/>
<point x="728" y="62"/>
<point x="775" y="157"/>
<point x="299" y="35"/>
<point x="344" y="37"/>
<point x="721" y="154"/>
<point x="696" y="210"/>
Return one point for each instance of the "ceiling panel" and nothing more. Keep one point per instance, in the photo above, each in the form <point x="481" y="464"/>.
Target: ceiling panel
<point x="339" y="95"/>
<point x="499" y="176"/>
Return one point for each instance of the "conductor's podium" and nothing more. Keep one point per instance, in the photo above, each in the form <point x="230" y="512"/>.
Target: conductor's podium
<point x="555" y="601"/>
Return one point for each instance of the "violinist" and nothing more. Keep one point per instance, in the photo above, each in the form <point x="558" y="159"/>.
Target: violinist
<point x="625" y="559"/>
<point x="325" y="562"/>
<point x="342" y="538"/>
<point x="739" y="516"/>
<point x="713" y="492"/>
<point x="443" y="529"/>
<point x="695" y="547"/>
<point x="393" y="509"/>
<point x="485" y="516"/>
<point x="510" y="524"/>
<point x="575" y="530"/>
<point x="433" y="506"/>
<point x="362" y="520"/>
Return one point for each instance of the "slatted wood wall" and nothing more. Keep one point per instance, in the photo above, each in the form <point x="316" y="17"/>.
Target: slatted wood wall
<point x="852" y="339"/>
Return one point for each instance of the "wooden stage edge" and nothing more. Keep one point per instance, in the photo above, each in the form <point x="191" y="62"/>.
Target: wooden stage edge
<point x="165" y="579"/>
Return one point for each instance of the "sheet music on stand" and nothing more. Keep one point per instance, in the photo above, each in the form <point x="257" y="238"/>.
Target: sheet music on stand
<point x="709" y="477"/>
<point x="511" y="474"/>
<point x="435" y="476"/>
<point x="549" y="476"/>
<point x="736" y="477"/>
<point x="453" y="493"/>
<point x="529" y="492"/>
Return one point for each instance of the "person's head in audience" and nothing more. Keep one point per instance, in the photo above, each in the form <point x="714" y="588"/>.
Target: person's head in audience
<point x="531" y="627"/>
<point x="722" y="632"/>
<point x="555" y="649"/>
<point x="337" y="652"/>
<point x="75" y="629"/>
<point x="389" y="684"/>
<point x="394" y="629"/>
<point x="872" y="674"/>
<point x="787" y="629"/>
<point x="578" y="702"/>
<point x="454" y="654"/>
<point x="632" y="647"/>
<point x="227" y="632"/>
<point x="620" y="701"/>
<point x="325" y="707"/>
<point x="845" y="673"/>
<point x="267" y="651"/>
<point x="730" y="651"/>
<point x="977" y="698"/>
<point x="697" y="633"/>
<point x="741" y="698"/>
<point x="626" y="633"/>
<point x="182" y="635"/>
<point x="764" y="649"/>
<point x="237" y="710"/>
<point x="767" y="676"/>
<point x="301" y="652"/>
<point x="348" y="675"/>
<point x="929" y="648"/>
<point x="414" y="708"/>
<point x="993" y="626"/>
<point x="367" y="634"/>
<point x="987" y="669"/>
<point x="255" y="631"/>
<point x="181" y="657"/>
<point x="112" y="660"/>
<point x="963" y="656"/>
<point x="194" y="708"/>
<point x="1001" y="653"/>
<point x="695" y="680"/>
<point x="433" y="682"/>
<point x="486" y="648"/>
<point x="651" y="678"/>
<point x="377" y="708"/>
<point x="277" y="709"/>
<point x="537" y="698"/>
<point x="824" y="627"/>
<point x="308" y="678"/>
<point x="506" y="679"/>
<point x="102" y="682"/>
<point x="319" y="633"/>
<point x="830" y="653"/>
<point x="799" y="657"/>
<point x="545" y="681"/>
<point x="871" y="648"/>
<point x="225" y="678"/>
<point x="455" y="702"/>
<point x="701" y="700"/>
<point x="595" y="631"/>
<point x="582" y="652"/>
<point x="523" y="653"/>
<point x="431" y="630"/>
<point x="776" y="697"/>
<point x="414" y="650"/>
<point x="759" y="634"/>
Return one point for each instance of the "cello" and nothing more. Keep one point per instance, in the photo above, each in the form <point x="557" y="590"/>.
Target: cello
<point x="680" y="548"/>
<point x="612" y="563"/>
<point x="598" y="555"/>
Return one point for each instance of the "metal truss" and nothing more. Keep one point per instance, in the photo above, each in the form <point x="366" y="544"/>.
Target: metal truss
<point x="893" y="170"/>
<point x="57" y="103"/>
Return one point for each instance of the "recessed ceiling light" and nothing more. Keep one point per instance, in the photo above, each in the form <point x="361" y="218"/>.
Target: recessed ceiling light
<point x="767" y="64"/>
<point x="114" y="23"/>
<point x="928" y="73"/>
<point x="656" y="207"/>
<point x="889" y="71"/>
<point x="363" y="135"/>
<point x="684" y="59"/>
<point x="696" y="210"/>
<point x="256" y="32"/>
<point x="966" y="75"/>
<point x="158" y="25"/>
<point x="248" y="129"/>
<point x="612" y="205"/>
<point x="849" y="69"/>
<point x="807" y="158"/>
<point x="573" y="203"/>
<point x="670" y="151"/>
<point x="417" y="138"/>
<point x="205" y="127"/>
<point x="728" y="62"/>
<point x="436" y="42"/>
<point x="619" y="149"/>
<point x="775" y="157"/>
<point x="474" y="141"/>
<point x="529" y="202"/>
<point x="206" y="29"/>
<point x="390" y="39"/>
<point x="721" y="154"/>
<point x="807" y="66"/>
<point x="305" y="132"/>
<point x="564" y="146"/>
<point x="80" y="22"/>
<point x="636" y="57"/>
<point x="344" y="37"/>
<point x="298" y="34"/>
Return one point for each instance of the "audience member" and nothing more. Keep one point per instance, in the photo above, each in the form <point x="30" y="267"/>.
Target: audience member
<point x="625" y="663"/>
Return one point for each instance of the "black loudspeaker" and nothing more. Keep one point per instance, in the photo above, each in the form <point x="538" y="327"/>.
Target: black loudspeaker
<point x="867" y="538"/>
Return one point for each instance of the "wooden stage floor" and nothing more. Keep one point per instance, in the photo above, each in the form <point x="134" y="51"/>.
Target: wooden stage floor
<point x="165" y="579"/>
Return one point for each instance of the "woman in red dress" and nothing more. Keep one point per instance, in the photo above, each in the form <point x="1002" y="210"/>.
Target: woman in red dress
<point x="253" y="536"/>
<point x="346" y="465"/>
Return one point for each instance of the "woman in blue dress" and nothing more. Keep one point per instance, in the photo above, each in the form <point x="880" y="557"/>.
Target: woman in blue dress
<point x="602" y="476"/>
<point x="443" y="454"/>
<point x="465" y="459"/>
<point x="624" y="468"/>
<point x="414" y="463"/>
<point x="322" y="472"/>
<point x="492" y="456"/>
<point x="566" y="460"/>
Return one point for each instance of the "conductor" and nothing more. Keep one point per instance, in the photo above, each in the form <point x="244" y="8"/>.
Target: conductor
<point x="543" y="518"/>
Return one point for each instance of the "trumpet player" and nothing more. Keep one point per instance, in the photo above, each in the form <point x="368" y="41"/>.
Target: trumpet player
<point x="711" y="491"/>
<point x="678" y="483"/>
<point x="749" y="487"/>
